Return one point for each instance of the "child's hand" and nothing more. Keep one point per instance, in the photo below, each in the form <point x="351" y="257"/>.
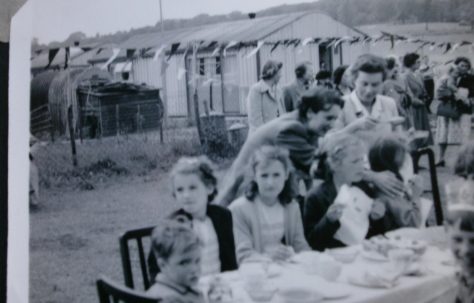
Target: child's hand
<point x="334" y="212"/>
<point x="378" y="210"/>
<point x="415" y="187"/>
<point x="282" y="253"/>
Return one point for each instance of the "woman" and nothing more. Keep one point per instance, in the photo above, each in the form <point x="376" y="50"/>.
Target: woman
<point x="450" y="131"/>
<point x="460" y="221"/>
<point x="264" y="101"/>
<point x="396" y="89"/>
<point x="341" y="81"/>
<point x="419" y="97"/>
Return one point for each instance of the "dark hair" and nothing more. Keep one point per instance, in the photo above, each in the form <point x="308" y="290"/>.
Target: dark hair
<point x="201" y="166"/>
<point x="323" y="74"/>
<point x="370" y="64"/>
<point x="317" y="99"/>
<point x="301" y="69"/>
<point x="410" y="59"/>
<point x="270" y="69"/>
<point x="462" y="59"/>
<point x="170" y="237"/>
<point x="383" y="155"/>
<point x="391" y="62"/>
<point x="338" y="73"/>
<point x="272" y="153"/>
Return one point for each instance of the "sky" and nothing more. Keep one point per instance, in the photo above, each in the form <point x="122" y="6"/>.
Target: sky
<point x="55" y="20"/>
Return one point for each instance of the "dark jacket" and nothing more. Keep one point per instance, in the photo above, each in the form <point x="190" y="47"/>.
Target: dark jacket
<point x="319" y="230"/>
<point x="221" y="218"/>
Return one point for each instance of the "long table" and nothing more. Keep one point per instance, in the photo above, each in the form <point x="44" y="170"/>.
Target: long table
<point x="437" y="285"/>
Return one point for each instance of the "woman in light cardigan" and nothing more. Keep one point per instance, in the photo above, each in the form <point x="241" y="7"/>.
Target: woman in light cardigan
<point x="264" y="101"/>
<point x="267" y="222"/>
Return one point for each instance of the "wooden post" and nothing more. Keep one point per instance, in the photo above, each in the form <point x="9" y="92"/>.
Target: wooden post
<point x="196" y="113"/>
<point x="71" y="135"/>
<point x="139" y="120"/>
<point x="117" y="124"/>
<point x="100" y="118"/>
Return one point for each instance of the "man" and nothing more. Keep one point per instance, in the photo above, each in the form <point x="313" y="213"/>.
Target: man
<point x="292" y="93"/>
<point x="323" y="79"/>
<point x="297" y="131"/>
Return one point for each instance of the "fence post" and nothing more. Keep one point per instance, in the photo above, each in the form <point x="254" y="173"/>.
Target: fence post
<point x="117" y="124"/>
<point x="139" y="120"/>
<point x="71" y="135"/>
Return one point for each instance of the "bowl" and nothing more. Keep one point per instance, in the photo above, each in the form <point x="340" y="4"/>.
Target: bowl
<point x="344" y="255"/>
<point x="261" y="294"/>
<point x="300" y="295"/>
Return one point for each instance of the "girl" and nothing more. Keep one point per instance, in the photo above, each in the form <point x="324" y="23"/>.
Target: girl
<point x="267" y="222"/>
<point x="345" y="158"/>
<point x="390" y="154"/>
<point x="194" y="188"/>
<point x="460" y="221"/>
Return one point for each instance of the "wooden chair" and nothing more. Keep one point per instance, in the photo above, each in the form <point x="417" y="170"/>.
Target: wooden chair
<point x="111" y="292"/>
<point x="137" y="235"/>
<point x="434" y="179"/>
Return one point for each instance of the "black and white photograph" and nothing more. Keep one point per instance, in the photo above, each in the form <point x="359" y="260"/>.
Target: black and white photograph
<point x="211" y="151"/>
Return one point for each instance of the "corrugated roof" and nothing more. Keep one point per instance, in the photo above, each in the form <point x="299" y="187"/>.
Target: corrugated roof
<point x="78" y="58"/>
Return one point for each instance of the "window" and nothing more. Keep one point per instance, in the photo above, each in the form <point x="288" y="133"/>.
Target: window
<point x="202" y="67"/>
<point x="125" y="76"/>
<point x="218" y="65"/>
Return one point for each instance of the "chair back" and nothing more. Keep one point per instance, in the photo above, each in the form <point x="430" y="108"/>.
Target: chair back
<point x="111" y="292"/>
<point x="136" y="235"/>
<point x="433" y="177"/>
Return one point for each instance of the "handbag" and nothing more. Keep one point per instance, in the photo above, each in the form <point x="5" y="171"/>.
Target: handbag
<point x="448" y="109"/>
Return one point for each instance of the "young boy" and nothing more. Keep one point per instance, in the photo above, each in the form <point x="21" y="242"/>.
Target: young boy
<point x="460" y="220"/>
<point x="178" y="254"/>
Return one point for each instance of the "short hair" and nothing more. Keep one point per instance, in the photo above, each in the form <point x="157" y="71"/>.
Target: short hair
<point x="383" y="155"/>
<point x="323" y="74"/>
<point x="265" y="154"/>
<point x="317" y="99"/>
<point x="336" y="146"/>
<point x="301" y="68"/>
<point x="338" y="73"/>
<point x="391" y="62"/>
<point x="462" y="59"/>
<point x="202" y="167"/>
<point x="370" y="64"/>
<point x="270" y="69"/>
<point x="410" y="59"/>
<point x="171" y="237"/>
<point x="464" y="165"/>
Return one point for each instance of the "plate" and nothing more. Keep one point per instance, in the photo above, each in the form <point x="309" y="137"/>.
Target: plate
<point x="365" y="279"/>
<point x="300" y="294"/>
<point x="335" y="293"/>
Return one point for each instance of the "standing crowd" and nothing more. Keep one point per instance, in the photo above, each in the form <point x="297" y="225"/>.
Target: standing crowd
<point x="327" y="163"/>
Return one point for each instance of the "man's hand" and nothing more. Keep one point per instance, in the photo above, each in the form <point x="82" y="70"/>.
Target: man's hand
<point x="386" y="182"/>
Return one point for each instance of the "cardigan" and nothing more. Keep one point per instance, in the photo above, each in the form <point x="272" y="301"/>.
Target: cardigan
<point x="247" y="228"/>
<point x="263" y="104"/>
<point x="222" y="220"/>
<point x="320" y="231"/>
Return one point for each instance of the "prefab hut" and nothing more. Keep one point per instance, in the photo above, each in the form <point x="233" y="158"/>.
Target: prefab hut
<point x="226" y="64"/>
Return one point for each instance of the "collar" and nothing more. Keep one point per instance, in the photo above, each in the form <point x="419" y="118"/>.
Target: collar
<point x="360" y="109"/>
<point x="182" y="290"/>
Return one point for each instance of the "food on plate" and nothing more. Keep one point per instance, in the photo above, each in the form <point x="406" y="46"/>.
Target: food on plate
<point x="383" y="245"/>
<point x="219" y="291"/>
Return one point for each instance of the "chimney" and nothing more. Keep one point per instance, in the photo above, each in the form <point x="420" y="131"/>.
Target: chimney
<point x="252" y="15"/>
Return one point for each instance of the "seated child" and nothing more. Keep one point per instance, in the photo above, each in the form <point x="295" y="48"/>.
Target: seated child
<point x="345" y="156"/>
<point x="460" y="221"/>
<point x="267" y="222"/>
<point x="194" y="187"/>
<point x="390" y="154"/>
<point x="177" y="250"/>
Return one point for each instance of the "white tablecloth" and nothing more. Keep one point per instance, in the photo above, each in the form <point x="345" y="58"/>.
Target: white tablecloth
<point x="439" y="285"/>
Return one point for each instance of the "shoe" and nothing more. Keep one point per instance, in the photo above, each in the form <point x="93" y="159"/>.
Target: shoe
<point x="440" y="163"/>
